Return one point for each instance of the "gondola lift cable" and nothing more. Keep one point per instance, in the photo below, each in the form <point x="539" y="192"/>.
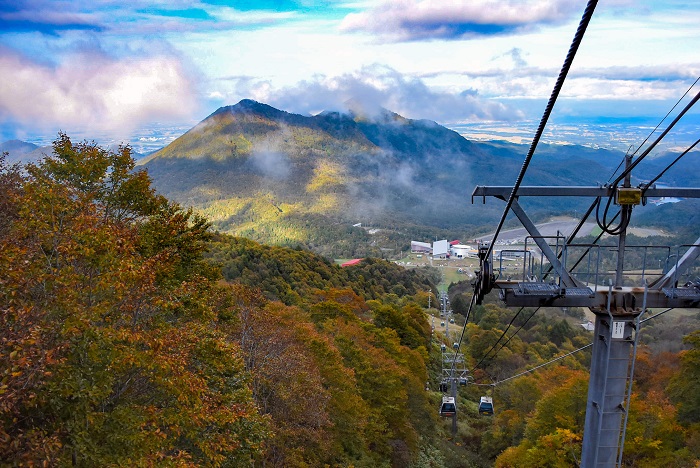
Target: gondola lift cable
<point x="559" y="358"/>
<point x="568" y="61"/>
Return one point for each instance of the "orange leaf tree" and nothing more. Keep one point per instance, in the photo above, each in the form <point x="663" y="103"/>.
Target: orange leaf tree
<point x="113" y="348"/>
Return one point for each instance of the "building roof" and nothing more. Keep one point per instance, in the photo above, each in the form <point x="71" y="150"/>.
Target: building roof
<point x="354" y="261"/>
<point x="420" y="244"/>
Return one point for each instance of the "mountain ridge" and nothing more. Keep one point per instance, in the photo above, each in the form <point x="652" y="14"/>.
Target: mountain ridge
<point x="19" y="151"/>
<point x="290" y="179"/>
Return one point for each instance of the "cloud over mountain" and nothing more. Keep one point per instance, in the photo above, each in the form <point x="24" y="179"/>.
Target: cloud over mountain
<point x="377" y="86"/>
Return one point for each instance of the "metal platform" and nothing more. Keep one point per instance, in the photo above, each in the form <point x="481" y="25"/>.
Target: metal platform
<point x="541" y="294"/>
<point x="537" y="289"/>
<point x="580" y="291"/>
<point x="692" y="294"/>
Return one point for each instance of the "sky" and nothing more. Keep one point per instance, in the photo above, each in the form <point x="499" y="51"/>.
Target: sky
<point x="138" y="70"/>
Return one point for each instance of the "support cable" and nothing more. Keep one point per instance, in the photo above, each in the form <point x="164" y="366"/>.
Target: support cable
<point x="651" y="182"/>
<point x="508" y="340"/>
<point x="605" y="226"/>
<point x="596" y="202"/>
<point x="461" y="336"/>
<point x="573" y="235"/>
<point x="516" y="331"/>
<point x="578" y="37"/>
<point x="500" y="338"/>
<point x="595" y="241"/>
<point x="622" y="161"/>
<point x="626" y="215"/>
<point x="655" y="315"/>
<point x="656" y="142"/>
<point x="568" y="61"/>
<point x="543" y="364"/>
<point x="665" y="117"/>
<point x="563" y="356"/>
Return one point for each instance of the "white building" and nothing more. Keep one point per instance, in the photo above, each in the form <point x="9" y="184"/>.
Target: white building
<point x="460" y="250"/>
<point x="441" y="249"/>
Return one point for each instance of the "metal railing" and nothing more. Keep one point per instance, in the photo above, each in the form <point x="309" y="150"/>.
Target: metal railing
<point x="593" y="265"/>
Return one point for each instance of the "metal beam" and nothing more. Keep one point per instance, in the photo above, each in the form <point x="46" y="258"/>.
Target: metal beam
<point x="617" y="310"/>
<point x="621" y="299"/>
<point x="503" y="192"/>
<point x="610" y="376"/>
<point x="542" y="244"/>
<point x="671" y="276"/>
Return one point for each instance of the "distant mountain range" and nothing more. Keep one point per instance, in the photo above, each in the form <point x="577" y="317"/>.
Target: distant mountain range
<point x="289" y="179"/>
<point x="285" y="178"/>
<point x="22" y="152"/>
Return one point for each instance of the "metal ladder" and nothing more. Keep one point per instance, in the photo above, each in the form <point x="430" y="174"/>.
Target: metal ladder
<point x="613" y="410"/>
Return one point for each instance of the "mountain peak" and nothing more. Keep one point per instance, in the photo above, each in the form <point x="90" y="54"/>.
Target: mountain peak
<point x="17" y="146"/>
<point x="249" y="106"/>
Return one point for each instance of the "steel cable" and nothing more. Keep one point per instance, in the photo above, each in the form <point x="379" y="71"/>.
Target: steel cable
<point x="656" y="142"/>
<point x="563" y="356"/>
<point x="508" y="340"/>
<point x="568" y="61"/>
<point x="651" y="182"/>
<point x="578" y="37"/>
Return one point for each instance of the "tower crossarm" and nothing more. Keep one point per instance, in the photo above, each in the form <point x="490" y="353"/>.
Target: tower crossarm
<point x="590" y="289"/>
<point x="502" y="192"/>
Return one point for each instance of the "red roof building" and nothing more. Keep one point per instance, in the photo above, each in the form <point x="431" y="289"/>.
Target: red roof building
<point x="354" y="261"/>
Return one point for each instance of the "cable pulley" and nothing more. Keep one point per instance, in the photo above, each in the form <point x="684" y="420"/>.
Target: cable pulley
<point x="485" y="278"/>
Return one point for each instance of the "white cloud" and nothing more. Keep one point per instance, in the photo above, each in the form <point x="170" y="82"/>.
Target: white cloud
<point x="407" y="20"/>
<point x="658" y="82"/>
<point x="372" y="87"/>
<point x="91" y="91"/>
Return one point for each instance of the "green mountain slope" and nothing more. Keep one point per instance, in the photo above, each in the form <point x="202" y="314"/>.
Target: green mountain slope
<point x="288" y="179"/>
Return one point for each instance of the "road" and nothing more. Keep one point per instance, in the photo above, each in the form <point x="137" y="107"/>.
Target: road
<point x="564" y="227"/>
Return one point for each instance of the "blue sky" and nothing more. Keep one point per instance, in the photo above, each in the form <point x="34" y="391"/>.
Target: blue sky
<point x="113" y="68"/>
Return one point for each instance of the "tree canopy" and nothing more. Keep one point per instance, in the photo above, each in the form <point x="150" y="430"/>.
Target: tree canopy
<point x="131" y="335"/>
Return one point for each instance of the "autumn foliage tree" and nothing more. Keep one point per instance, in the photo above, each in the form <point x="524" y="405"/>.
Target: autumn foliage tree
<point x="113" y="346"/>
<point x="121" y="344"/>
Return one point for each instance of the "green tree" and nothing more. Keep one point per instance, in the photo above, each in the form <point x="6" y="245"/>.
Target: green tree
<point x="561" y="449"/>
<point x="112" y="353"/>
<point x="460" y="305"/>
<point x="684" y="386"/>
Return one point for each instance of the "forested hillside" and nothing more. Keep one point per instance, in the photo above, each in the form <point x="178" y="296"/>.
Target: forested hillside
<point x="132" y="335"/>
<point x="121" y="346"/>
<point x="292" y="276"/>
<point x="287" y="179"/>
<point x="116" y="349"/>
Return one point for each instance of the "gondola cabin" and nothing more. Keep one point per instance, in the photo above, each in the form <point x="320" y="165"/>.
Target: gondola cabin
<point x="448" y="408"/>
<point x="486" y="405"/>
